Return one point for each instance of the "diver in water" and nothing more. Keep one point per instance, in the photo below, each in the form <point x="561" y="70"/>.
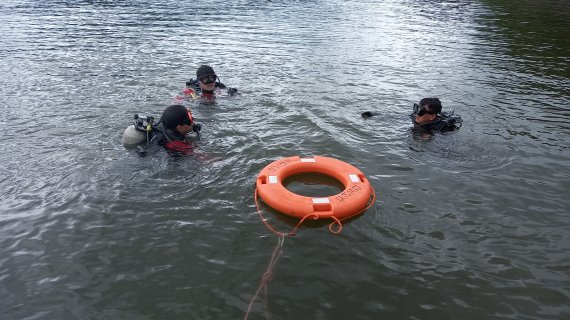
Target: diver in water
<point x="171" y="131"/>
<point x="206" y="86"/>
<point x="175" y="123"/>
<point x="426" y="111"/>
<point x="428" y="115"/>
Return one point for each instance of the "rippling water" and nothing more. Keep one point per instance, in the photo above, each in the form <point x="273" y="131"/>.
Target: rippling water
<point x="472" y="225"/>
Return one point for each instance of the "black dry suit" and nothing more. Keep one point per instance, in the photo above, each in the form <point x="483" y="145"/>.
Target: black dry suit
<point x="159" y="134"/>
<point x="170" y="139"/>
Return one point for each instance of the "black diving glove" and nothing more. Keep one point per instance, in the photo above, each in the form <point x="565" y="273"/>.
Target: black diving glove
<point x="196" y="128"/>
<point x="232" y="91"/>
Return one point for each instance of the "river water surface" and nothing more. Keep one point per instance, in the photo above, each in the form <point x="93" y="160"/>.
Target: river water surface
<point x="469" y="225"/>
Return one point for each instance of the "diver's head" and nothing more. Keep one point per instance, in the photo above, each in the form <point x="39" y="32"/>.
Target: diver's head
<point x="429" y="106"/>
<point x="206" y="77"/>
<point x="177" y="118"/>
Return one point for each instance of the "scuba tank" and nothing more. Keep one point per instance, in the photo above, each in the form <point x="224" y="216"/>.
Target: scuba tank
<point x="138" y="132"/>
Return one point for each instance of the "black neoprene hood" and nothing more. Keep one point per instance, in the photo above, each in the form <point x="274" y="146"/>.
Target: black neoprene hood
<point x="204" y="70"/>
<point x="174" y="115"/>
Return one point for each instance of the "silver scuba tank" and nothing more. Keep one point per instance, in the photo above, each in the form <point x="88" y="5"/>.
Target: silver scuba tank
<point x="132" y="136"/>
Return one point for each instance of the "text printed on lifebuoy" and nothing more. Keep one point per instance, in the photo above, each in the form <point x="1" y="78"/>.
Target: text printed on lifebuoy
<point x="348" y="193"/>
<point x="280" y="165"/>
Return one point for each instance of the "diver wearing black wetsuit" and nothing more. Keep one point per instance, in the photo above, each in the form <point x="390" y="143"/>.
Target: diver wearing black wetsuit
<point x="170" y="132"/>
<point x="428" y="115"/>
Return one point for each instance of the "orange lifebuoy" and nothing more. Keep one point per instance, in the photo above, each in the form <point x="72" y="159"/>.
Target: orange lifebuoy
<point x="354" y="199"/>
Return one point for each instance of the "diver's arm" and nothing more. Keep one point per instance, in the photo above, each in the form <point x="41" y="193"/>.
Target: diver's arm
<point x="229" y="90"/>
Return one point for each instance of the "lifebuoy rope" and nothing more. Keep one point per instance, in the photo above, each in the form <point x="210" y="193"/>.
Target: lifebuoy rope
<point x="267" y="276"/>
<point x="278" y="251"/>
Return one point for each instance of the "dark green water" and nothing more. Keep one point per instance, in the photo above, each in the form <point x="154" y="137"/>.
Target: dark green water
<point x="469" y="225"/>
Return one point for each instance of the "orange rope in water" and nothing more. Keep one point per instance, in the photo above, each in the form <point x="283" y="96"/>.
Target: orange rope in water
<point x="279" y="233"/>
<point x="278" y="251"/>
<point x="267" y="276"/>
